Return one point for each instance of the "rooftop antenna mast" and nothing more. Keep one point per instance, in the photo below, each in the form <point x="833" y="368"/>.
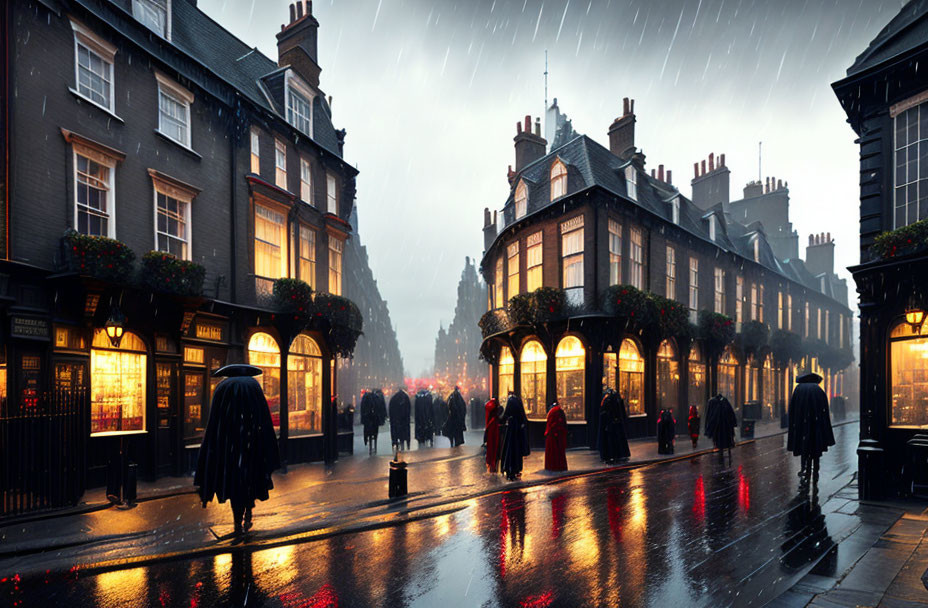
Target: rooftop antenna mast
<point x="759" y="172"/>
<point x="546" y="81"/>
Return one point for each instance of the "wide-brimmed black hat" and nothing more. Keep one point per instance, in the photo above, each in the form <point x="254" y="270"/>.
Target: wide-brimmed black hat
<point x="810" y="378"/>
<point x="237" y="369"/>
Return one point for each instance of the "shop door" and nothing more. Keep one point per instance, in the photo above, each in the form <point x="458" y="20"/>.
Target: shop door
<point x="166" y="431"/>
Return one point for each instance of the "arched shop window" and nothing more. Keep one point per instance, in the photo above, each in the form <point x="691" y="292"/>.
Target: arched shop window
<point x="769" y="383"/>
<point x="631" y="377"/>
<point x="728" y="376"/>
<point x="304" y="387"/>
<point x="752" y="377"/>
<point x="668" y="376"/>
<point x="117" y="384"/>
<point x="909" y="376"/>
<point x="533" y="362"/>
<point x="263" y="352"/>
<point x="696" y="389"/>
<point x="506" y="374"/>
<point x="570" y="362"/>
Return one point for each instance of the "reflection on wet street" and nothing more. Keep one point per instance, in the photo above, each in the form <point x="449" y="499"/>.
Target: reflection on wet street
<point x="696" y="532"/>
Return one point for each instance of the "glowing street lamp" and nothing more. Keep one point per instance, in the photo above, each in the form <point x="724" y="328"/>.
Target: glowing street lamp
<point x="115" y="326"/>
<point x="914" y="316"/>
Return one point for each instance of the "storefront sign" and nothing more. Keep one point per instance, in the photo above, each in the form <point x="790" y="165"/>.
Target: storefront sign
<point x="208" y="331"/>
<point x="194" y="355"/>
<point x="572" y="224"/>
<point x="30" y="328"/>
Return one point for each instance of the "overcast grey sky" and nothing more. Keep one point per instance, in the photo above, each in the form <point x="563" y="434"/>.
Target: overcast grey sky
<point x="430" y="93"/>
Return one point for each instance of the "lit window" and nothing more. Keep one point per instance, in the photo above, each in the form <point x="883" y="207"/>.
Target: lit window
<point x="534" y="364"/>
<point x="94" y="200"/>
<point x="280" y="163"/>
<point x="631" y="377"/>
<point x="264" y="353"/>
<point x="636" y="258"/>
<point x="754" y="302"/>
<point x="331" y="194"/>
<point x="308" y="255"/>
<point x="911" y="185"/>
<point x="533" y="262"/>
<point x="305" y="181"/>
<point x="93" y="67"/>
<point x="719" y="291"/>
<point x="909" y="388"/>
<point x="760" y="304"/>
<point x="255" y="152"/>
<point x="153" y="14"/>
<point x="728" y="377"/>
<point x="173" y="110"/>
<point x="270" y="248"/>
<point x="572" y="262"/>
<point x="335" y="265"/>
<point x="570" y="367"/>
<point x="670" y="279"/>
<point x="304" y="387"/>
<point x="506" y="373"/>
<point x="631" y="182"/>
<point x="172" y="230"/>
<point x="512" y="267"/>
<point x="117" y="384"/>
<point x="805" y="328"/>
<point x="779" y="310"/>
<point x="840" y="331"/>
<point x="500" y="297"/>
<point x="615" y="252"/>
<point x="558" y="180"/>
<point x="694" y="283"/>
<point x="299" y="110"/>
<point x="668" y="376"/>
<point x="827" y="321"/>
<point x="818" y="323"/>
<point x="739" y="300"/>
<point x="675" y="211"/>
<point x="696" y="390"/>
<point x="521" y="200"/>
<point x="789" y="312"/>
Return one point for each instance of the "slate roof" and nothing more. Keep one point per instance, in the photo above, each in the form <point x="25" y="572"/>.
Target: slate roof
<point x="589" y="164"/>
<point x="906" y="31"/>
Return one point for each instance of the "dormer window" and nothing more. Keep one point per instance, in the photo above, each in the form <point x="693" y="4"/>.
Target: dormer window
<point x="521" y="200"/>
<point x="299" y="105"/>
<point x="558" y="180"/>
<point x="153" y="14"/>
<point x="631" y="182"/>
<point x="675" y="210"/>
<point x="712" y="228"/>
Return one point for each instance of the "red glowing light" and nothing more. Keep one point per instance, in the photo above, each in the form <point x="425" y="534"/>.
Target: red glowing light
<point x="744" y="492"/>
<point x="699" y="500"/>
<point x="538" y="601"/>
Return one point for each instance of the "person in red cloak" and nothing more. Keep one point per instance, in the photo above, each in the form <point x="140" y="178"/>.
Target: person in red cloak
<point x="692" y="424"/>
<point x="492" y="434"/>
<point x="556" y="440"/>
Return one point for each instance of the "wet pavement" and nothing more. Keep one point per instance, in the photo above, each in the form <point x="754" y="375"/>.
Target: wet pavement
<point x="692" y="532"/>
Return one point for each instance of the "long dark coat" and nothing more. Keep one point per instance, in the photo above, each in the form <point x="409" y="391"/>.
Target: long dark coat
<point x="666" y="431"/>
<point x="239" y="449"/>
<point x="613" y="443"/>
<point x="556" y="440"/>
<point x="491" y="435"/>
<point x="370" y="419"/>
<point x="439" y="414"/>
<point x="399" y="417"/>
<point x="424" y="424"/>
<point x="810" y="433"/>
<point x="515" y="441"/>
<point x="721" y="422"/>
<point x="457" y="418"/>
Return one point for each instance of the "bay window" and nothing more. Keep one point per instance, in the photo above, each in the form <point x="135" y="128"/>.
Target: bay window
<point x="512" y="267"/>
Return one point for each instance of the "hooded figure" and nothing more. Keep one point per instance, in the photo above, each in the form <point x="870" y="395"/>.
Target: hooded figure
<point x="692" y="424"/>
<point x="493" y="414"/>
<point x="439" y="414"/>
<point x="424" y="425"/>
<point x="721" y="422"/>
<point x="810" y="433"/>
<point x="457" y="417"/>
<point x="239" y="449"/>
<point x="399" y="419"/>
<point x="666" y="432"/>
<point x="373" y="415"/>
<point x="613" y="444"/>
<point x="515" y="442"/>
<point x="556" y="439"/>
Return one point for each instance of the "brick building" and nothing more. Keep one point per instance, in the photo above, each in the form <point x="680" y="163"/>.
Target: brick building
<point x="582" y="218"/>
<point x="146" y="122"/>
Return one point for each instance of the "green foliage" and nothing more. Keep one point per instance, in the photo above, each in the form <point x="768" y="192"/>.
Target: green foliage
<point x="543" y="305"/>
<point x="672" y="317"/>
<point x="716" y="330"/>
<point x="293" y="296"/>
<point x="754" y="336"/>
<point x="785" y="346"/>
<point x="493" y="322"/>
<point x="165" y="273"/>
<point x="520" y="309"/>
<point x="626" y="302"/>
<point x="901" y="241"/>
<point x="341" y="319"/>
<point x="98" y="257"/>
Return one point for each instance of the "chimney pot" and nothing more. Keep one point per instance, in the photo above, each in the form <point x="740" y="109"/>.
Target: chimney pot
<point x="779" y="184"/>
<point x="722" y="160"/>
<point x="631" y="106"/>
<point x="695" y="170"/>
<point x="711" y="162"/>
<point x="518" y="127"/>
<point x="625" y="107"/>
<point x="669" y="177"/>
<point x="528" y="124"/>
<point x="652" y="174"/>
<point x="828" y="237"/>
<point x="660" y="172"/>
<point x="299" y="9"/>
<point x="292" y="14"/>
<point x="703" y="167"/>
<point x="538" y="127"/>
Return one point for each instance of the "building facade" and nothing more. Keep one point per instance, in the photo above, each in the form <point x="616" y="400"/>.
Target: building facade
<point x="146" y="122"/>
<point x="885" y="97"/>
<point x="591" y="223"/>
<point x="457" y="349"/>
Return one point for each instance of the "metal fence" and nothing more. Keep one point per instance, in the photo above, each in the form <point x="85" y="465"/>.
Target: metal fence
<point x="43" y="452"/>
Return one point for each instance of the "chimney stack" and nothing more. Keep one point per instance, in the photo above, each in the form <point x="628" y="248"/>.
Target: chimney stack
<point x="669" y="177"/>
<point x="711" y="162"/>
<point x="622" y="131"/>
<point x="297" y="42"/>
<point x="660" y="173"/>
<point x="820" y="254"/>
<point x="529" y="146"/>
<point x="489" y="228"/>
<point x="712" y="182"/>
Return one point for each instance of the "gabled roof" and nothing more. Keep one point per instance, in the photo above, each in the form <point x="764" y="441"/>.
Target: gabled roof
<point x="906" y="31"/>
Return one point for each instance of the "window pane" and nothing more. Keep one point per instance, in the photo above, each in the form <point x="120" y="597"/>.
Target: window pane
<point x="909" y="382"/>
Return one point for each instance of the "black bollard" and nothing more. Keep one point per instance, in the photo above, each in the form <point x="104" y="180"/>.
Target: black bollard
<point x="398" y="485"/>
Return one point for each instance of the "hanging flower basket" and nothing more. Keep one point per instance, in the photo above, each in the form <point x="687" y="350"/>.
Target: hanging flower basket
<point x="626" y="302"/>
<point x="671" y="317"/>
<point x="293" y="297"/>
<point x="754" y="336"/>
<point x="902" y="241"/>
<point x="165" y="273"/>
<point x="98" y="257"/>
<point x="519" y="309"/>
<point x="543" y="305"/>
<point x="340" y="318"/>
<point x="493" y="322"/>
<point x="785" y="346"/>
<point x="716" y="330"/>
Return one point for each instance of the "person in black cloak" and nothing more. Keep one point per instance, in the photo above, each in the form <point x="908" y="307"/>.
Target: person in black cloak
<point x="515" y="442"/>
<point x="810" y="433"/>
<point x="439" y="414"/>
<point x="330" y="432"/>
<point x="457" y="418"/>
<point x="424" y="425"/>
<point x="399" y="419"/>
<point x="666" y="431"/>
<point x="370" y="420"/>
<point x="720" y="423"/>
<point x="613" y="444"/>
<point x="239" y="449"/>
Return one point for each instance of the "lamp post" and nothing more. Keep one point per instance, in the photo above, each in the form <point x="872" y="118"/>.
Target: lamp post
<point x="115" y="326"/>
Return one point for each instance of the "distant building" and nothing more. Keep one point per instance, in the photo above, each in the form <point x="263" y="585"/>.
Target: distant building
<point x="457" y="350"/>
<point x="582" y="218"/>
<point x="885" y="96"/>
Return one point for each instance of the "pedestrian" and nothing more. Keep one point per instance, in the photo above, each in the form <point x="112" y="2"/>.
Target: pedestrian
<point x="810" y="433"/>
<point x="238" y="452"/>
<point x="613" y="443"/>
<point x="399" y="419"/>
<point x="692" y="424"/>
<point x="457" y="418"/>
<point x="515" y="442"/>
<point x="424" y="425"/>
<point x="439" y="414"/>
<point x="666" y="431"/>
<point x="493" y="414"/>
<point x="720" y="423"/>
<point x="330" y="432"/>
<point x="556" y="439"/>
<point x="371" y="419"/>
